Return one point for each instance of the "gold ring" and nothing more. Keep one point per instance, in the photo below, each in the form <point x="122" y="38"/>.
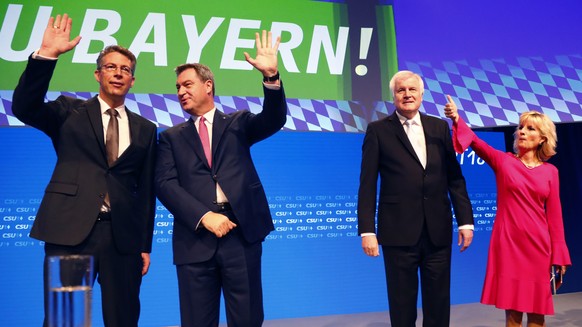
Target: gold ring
<point x="55" y="26"/>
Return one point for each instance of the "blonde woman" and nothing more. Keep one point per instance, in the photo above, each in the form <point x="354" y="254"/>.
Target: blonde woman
<point x="528" y="233"/>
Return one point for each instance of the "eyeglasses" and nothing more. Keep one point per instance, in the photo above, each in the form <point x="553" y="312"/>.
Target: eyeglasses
<point x="125" y="70"/>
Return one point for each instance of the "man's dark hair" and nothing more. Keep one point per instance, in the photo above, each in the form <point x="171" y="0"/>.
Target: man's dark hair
<point x="202" y="71"/>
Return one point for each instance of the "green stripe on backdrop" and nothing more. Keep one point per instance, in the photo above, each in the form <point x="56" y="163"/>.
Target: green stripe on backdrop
<point x="314" y="54"/>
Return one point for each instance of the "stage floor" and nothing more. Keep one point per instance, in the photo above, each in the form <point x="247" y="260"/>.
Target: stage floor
<point x="568" y="309"/>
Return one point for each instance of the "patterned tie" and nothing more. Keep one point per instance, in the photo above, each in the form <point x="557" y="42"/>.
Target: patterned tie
<point x="112" y="137"/>
<point x="203" y="132"/>
<point x="416" y="141"/>
<point x="111" y="145"/>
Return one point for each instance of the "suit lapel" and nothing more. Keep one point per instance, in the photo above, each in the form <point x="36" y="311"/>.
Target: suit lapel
<point x="134" y="132"/>
<point x="94" y="112"/>
<point x="401" y="134"/>
<point x="428" y="129"/>
<point x="192" y="137"/>
<point x="218" y="127"/>
<point x="93" y="109"/>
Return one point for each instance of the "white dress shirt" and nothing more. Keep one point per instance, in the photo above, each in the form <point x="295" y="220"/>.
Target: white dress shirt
<point x="124" y="136"/>
<point x="416" y="137"/>
<point x="415" y="133"/>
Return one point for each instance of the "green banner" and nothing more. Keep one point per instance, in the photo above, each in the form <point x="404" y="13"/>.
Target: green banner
<point x="314" y="56"/>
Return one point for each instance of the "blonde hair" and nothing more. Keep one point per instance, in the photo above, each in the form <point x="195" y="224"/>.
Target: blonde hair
<point x="547" y="129"/>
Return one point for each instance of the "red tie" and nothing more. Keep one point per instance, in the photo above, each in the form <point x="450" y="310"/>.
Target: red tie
<point x="203" y="132"/>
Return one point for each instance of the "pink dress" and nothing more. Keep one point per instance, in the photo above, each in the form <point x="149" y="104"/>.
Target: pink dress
<point x="528" y="232"/>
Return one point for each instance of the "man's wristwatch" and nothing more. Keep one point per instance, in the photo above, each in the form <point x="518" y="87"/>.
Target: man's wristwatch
<point x="273" y="78"/>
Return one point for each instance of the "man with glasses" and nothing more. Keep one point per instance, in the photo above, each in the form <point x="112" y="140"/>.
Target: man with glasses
<point x="100" y="198"/>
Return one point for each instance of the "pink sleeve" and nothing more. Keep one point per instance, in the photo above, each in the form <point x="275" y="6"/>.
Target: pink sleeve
<point x="462" y="136"/>
<point x="560" y="253"/>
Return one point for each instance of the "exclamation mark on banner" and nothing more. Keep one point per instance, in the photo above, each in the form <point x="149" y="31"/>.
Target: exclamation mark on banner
<point x="365" y="38"/>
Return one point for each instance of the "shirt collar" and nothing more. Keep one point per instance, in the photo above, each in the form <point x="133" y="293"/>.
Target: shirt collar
<point x="104" y="106"/>
<point x="209" y="116"/>
<point x="415" y="120"/>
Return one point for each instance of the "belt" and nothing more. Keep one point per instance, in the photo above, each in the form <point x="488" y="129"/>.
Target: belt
<point x="104" y="216"/>
<point x="223" y="206"/>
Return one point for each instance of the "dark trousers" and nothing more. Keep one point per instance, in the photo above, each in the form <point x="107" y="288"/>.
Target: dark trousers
<point x="119" y="275"/>
<point x="402" y="265"/>
<point x="235" y="269"/>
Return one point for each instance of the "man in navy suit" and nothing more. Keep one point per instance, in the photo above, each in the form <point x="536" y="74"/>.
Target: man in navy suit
<point x="94" y="204"/>
<point x="206" y="178"/>
<point x="414" y="157"/>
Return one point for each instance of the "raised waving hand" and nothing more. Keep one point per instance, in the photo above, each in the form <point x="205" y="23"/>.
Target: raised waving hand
<point x="266" y="58"/>
<point x="57" y="37"/>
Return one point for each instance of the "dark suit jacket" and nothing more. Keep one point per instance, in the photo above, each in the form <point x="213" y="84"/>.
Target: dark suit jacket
<point x="187" y="186"/>
<point x="82" y="176"/>
<point x="410" y="195"/>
